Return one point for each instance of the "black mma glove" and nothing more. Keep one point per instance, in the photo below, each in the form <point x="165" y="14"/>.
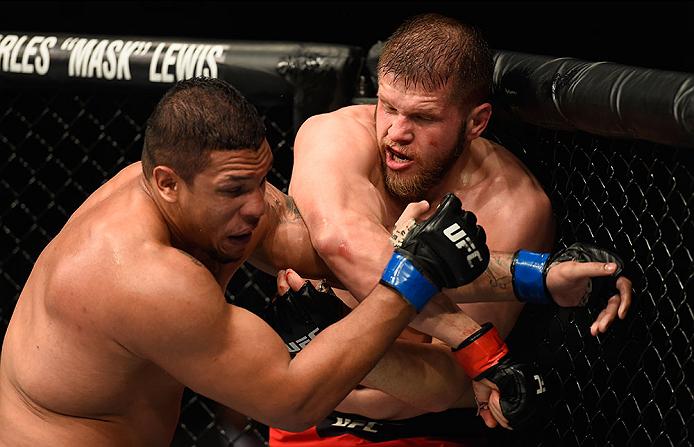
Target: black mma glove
<point x="529" y="272"/>
<point x="447" y="250"/>
<point x="484" y="355"/>
<point x="299" y="316"/>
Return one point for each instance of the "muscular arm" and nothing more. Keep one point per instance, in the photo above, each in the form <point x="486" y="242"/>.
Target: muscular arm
<point x="421" y="377"/>
<point x="376" y="404"/>
<point x="344" y="213"/>
<point x="232" y="356"/>
<point x="440" y="382"/>
<point x="282" y="239"/>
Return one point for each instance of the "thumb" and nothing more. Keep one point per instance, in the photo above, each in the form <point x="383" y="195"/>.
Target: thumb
<point x="496" y="411"/>
<point x="282" y="285"/>
<point x="294" y="280"/>
<point x="407" y="220"/>
<point x="488" y="419"/>
<point x="413" y="211"/>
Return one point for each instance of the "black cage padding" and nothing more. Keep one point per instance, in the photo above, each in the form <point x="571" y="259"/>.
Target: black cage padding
<point x="312" y="77"/>
<point x="601" y="98"/>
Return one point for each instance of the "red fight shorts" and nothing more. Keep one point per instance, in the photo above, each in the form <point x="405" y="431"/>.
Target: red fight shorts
<point x="451" y="428"/>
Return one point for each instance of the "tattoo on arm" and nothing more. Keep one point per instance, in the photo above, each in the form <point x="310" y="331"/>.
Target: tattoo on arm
<point x="283" y="207"/>
<point x="193" y="258"/>
<point x="498" y="272"/>
<point x="292" y="213"/>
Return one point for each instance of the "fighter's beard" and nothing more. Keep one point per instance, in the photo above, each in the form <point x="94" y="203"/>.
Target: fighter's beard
<point x="415" y="187"/>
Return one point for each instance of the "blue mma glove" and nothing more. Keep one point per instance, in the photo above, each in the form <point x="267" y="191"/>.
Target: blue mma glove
<point x="529" y="272"/>
<point x="446" y="250"/>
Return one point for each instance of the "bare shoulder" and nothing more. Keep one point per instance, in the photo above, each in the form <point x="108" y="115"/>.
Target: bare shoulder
<point x="511" y="192"/>
<point x="346" y="126"/>
<point x="170" y="295"/>
<point x="505" y="175"/>
<point x="132" y="294"/>
<point x="362" y="114"/>
<point x="342" y="143"/>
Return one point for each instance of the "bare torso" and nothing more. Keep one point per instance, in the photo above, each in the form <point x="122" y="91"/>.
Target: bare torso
<point x="64" y="377"/>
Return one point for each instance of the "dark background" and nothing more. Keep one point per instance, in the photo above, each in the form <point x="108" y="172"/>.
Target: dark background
<point x="649" y="34"/>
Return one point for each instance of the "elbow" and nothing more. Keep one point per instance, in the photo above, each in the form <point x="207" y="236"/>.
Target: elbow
<point x="445" y="399"/>
<point x="331" y="243"/>
<point x="298" y="419"/>
<point x="294" y="425"/>
<point x="441" y="402"/>
<point x="297" y="410"/>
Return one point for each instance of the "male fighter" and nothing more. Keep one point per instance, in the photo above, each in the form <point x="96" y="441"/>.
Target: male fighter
<point x="355" y="169"/>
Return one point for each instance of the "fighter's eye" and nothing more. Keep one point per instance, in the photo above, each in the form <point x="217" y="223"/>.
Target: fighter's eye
<point x="237" y="191"/>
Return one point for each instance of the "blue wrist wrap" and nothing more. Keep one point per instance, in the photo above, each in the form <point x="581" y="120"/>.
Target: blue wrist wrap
<point x="527" y="272"/>
<point x="402" y="276"/>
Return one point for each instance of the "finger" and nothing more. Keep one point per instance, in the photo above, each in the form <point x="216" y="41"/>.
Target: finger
<point x="625" y="291"/>
<point x="608" y="314"/>
<point x="495" y="408"/>
<point x="282" y="284"/>
<point x="413" y="211"/>
<point x="486" y="391"/>
<point x="488" y="419"/>
<point x="489" y="384"/>
<point x="295" y="281"/>
<point x="595" y="328"/>
<point x="481" y="391"/>
<point x="591" y="269"/>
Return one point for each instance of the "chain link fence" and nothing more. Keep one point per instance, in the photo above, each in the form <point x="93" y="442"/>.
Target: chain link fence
<point x="631" y="386"/>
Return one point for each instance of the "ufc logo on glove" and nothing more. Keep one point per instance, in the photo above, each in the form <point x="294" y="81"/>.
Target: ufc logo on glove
<point x="297" y="345"/>
<point x="461" y="239"/>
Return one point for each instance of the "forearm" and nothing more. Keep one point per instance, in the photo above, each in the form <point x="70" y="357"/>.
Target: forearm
<point x="420" y="375"/>
<point x="495" y="284"/>
<point x="375" y="404"/>
<point x="354" y="262"/>
<point x="320" y="376"/>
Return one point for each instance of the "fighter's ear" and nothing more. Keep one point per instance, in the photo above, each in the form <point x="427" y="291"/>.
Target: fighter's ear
<point x="477" y="120"/>
<point x="166" y="182"/>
